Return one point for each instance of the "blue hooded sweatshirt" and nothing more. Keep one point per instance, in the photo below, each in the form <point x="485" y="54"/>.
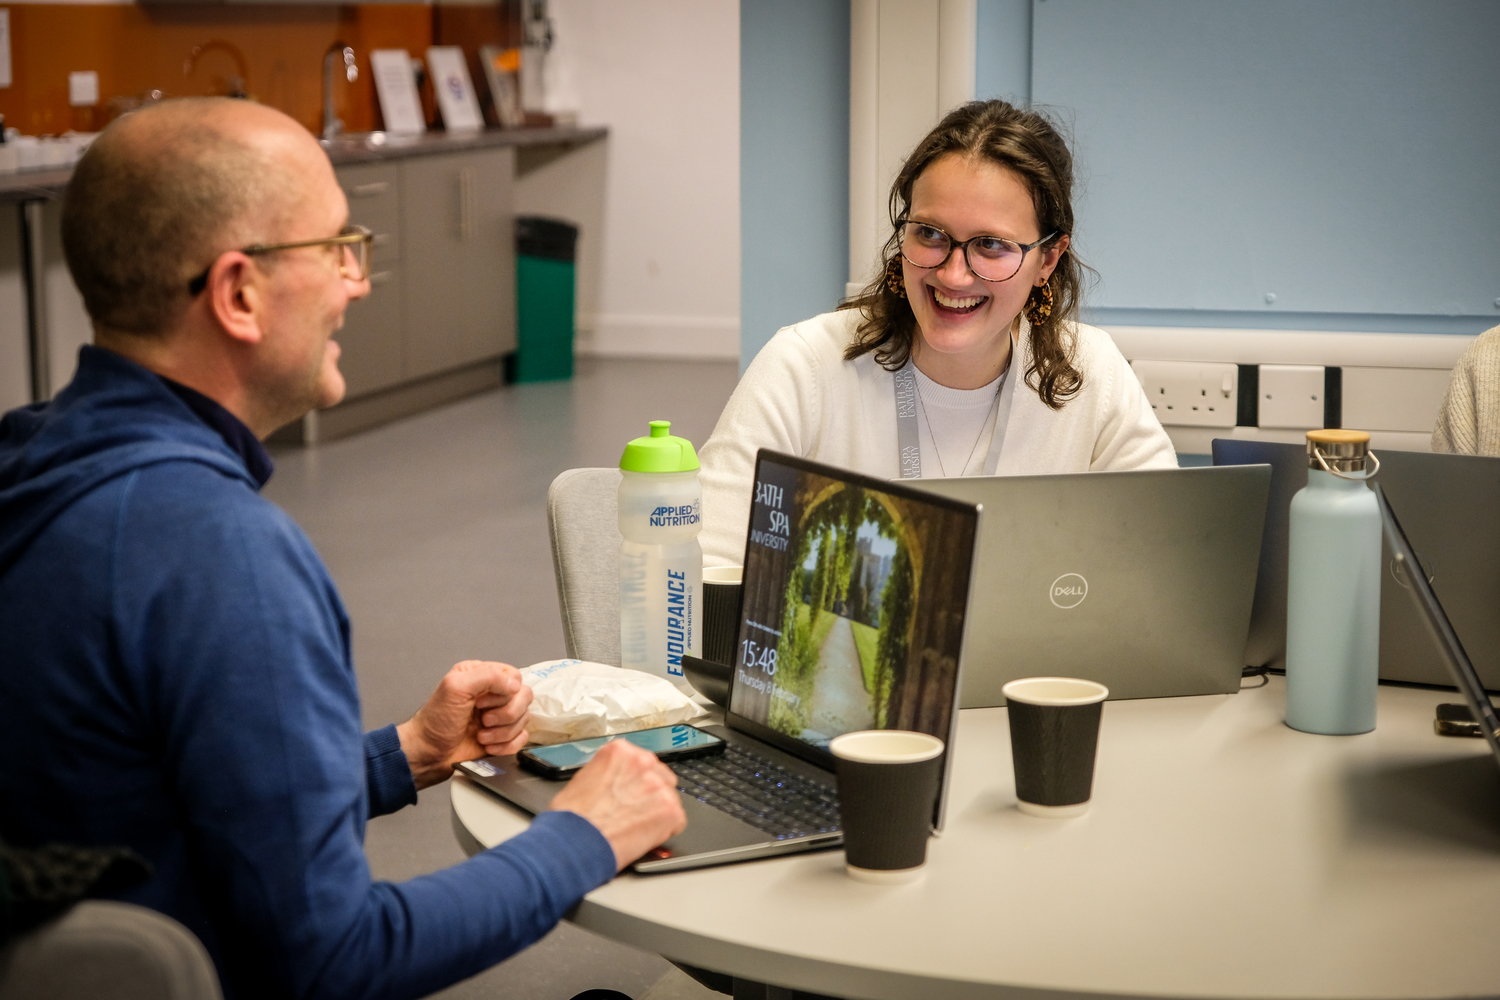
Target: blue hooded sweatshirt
<point x="175" y="677"/>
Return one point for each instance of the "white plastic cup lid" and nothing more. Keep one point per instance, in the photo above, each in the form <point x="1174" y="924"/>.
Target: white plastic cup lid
<point x="1058" y="691"/>
<point x="886" y="746"/>
<point x="723" y="574"/>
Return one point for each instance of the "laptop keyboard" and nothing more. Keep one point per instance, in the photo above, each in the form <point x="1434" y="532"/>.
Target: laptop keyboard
<point x="768" y="796"/>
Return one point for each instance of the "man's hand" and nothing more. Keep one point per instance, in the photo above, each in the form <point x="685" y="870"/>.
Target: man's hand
<point x="478" y="708"/>
<point x="630" y="796"/>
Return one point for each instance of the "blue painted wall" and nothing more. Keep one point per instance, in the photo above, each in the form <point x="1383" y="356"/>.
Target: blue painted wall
<point x="794" y="163"/>
<point x="1342" y="156"/>
<point x="1002" y="63"/>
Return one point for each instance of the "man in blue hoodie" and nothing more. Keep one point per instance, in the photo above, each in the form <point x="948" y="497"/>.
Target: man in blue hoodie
<point x="175" y="673"/>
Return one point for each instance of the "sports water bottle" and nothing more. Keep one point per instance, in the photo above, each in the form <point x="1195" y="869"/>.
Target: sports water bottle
<point x="661" y="565"/>
<point x="1333" y="589"/>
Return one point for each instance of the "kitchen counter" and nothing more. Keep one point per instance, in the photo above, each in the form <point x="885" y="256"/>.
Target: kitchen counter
<point x="440" y="318"/>
<point x="31" y="185"/>
<point x="361" y="147"/>
<point x="374" y="147"/>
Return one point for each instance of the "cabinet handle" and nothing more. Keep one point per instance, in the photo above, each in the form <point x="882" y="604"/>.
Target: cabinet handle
<point x="466" y="203"/>
<point x="371" y="189"/>
<point x="380" y="277"/>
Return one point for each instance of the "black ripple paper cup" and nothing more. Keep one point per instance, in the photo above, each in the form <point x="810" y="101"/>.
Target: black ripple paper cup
<point x="721" y="613"/>
<point x="888" y="783"/>
<point x="1054" y="738"/>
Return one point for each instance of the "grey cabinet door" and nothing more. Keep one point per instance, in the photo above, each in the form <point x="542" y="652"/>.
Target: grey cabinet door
<point x="458" y="259"/>
<point x="371" y="338"/>
<point x="15" y="340"/>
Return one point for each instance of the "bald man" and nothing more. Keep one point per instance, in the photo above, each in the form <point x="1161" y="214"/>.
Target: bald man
<point x="175" y="674"/>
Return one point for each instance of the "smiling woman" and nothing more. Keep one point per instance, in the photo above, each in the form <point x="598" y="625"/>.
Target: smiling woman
<point x="964" y="357"/>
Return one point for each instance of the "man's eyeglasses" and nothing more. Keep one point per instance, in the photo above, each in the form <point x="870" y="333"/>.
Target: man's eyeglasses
<point x="354" y="249"/>
<point x="990" y="257"/>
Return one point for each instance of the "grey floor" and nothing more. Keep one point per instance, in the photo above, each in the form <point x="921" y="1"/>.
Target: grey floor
<point x="435" y="530"/>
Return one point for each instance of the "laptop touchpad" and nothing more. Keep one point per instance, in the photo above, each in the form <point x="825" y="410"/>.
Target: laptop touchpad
<point x="711" y="829"/>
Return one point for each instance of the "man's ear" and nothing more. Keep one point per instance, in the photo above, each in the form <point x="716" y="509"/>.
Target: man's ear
<point x="235" y="298"/>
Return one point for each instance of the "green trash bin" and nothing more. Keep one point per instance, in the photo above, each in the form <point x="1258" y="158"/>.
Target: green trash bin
<point x="546" y="251"/>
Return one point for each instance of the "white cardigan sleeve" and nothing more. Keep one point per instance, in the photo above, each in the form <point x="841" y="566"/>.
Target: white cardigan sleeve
<point x="1469" y="422"/>
<point x="776" y="405"/>
<point x="1129" y="435"/>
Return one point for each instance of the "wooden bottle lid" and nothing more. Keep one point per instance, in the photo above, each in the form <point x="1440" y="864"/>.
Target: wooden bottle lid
<point x="1337" y="435"/>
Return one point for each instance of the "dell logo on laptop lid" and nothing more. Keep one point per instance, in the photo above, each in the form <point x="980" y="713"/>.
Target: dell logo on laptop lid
<point x="1068" y="590"/>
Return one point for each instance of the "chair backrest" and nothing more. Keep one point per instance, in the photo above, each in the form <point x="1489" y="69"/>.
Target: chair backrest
<point x="108" y="951"/>
<point x="582" y="520"/>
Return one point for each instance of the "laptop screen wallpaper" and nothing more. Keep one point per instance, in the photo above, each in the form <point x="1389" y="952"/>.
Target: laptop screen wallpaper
<point x="854" y="606"/>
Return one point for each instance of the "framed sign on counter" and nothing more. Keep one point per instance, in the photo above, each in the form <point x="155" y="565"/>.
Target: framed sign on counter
<point x="454" y="89"/>
<point x="396" y="87"/>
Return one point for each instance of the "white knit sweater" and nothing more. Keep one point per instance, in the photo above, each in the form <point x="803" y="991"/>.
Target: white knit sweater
<point x="801" y="397"/>
<point x="1469" y="422"/>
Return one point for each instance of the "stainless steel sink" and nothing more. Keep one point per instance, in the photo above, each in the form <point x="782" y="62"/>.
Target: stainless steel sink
<point x="359" y="140"/>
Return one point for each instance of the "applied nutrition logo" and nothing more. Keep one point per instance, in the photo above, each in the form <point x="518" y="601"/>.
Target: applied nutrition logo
<point x="675" y="516"/>
<point x="1068" y="591"/>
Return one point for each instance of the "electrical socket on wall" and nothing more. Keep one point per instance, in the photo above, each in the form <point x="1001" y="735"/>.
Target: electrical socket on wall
<point x="1291" y="396"/>
<point x="1191" y="393"/>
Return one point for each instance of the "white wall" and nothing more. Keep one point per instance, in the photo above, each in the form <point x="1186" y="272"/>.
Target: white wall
<point x="571" y="187"/>
<point x="663" y="75"/>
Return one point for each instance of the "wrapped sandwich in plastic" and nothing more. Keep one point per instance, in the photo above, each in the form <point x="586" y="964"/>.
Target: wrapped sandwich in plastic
<point x="577" y="699"/>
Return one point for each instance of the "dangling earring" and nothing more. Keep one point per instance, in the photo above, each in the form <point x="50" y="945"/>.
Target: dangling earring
<point x="894" y="280"/>
<point x="1039" y="303"/>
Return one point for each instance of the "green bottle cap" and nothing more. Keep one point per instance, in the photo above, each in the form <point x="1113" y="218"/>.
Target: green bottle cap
<point x="661" y="452"/>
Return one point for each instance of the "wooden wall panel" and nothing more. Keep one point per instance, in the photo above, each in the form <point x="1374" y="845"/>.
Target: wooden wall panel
<point x="136" y="49"/>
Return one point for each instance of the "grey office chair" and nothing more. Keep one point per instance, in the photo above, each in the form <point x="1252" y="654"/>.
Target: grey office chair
<point x="585" y="532"/>
<point x="583" y="521"/>
<point x="108" y="951"/>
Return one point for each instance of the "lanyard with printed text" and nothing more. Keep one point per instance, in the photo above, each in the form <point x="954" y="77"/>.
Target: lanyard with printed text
<point x="908" y="433"/>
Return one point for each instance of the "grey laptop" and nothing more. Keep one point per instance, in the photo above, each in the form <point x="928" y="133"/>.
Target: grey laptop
<point x="853" y="617"/>
<point x="1441" y="636"/>
<point x="1142" y="581"/>
<point x="1448" y="505"/>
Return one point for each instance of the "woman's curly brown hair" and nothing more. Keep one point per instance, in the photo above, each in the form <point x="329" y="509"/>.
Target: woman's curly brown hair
<point x="1028" y="144"/>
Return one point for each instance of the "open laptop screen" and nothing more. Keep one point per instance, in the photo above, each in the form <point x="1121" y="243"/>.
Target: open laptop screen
<point x="1419" y="586"/>
<point x="855" y="597"/>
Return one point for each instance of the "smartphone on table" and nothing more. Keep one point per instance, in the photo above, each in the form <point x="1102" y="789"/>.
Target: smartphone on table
<point x="1456" y="720"/>
<point x="668" y="743"/>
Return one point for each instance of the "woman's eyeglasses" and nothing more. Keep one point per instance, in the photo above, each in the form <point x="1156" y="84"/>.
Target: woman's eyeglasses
<point x="992" y="258"/>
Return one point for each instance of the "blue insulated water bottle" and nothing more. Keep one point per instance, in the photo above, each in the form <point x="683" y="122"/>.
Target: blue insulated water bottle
<point x="1333" y="589"/>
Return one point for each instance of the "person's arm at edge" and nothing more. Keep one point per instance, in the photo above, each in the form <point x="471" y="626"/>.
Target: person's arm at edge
<point x="1456" y="430"/>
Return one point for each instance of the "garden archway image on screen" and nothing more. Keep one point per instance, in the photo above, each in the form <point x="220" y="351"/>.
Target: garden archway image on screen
<point x="853" y="609"/>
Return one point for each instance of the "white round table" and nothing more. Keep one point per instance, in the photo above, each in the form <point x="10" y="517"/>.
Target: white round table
<point x="1224" y="855"/>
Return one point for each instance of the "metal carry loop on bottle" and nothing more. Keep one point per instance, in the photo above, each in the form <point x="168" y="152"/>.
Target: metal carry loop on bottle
<point x="1369" y="474"/>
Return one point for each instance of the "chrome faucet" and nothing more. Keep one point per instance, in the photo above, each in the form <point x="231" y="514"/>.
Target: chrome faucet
<point x="332" y="125"/>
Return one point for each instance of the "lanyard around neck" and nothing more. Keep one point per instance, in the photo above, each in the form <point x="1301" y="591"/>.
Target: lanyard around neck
<point x="909" y="435"/>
